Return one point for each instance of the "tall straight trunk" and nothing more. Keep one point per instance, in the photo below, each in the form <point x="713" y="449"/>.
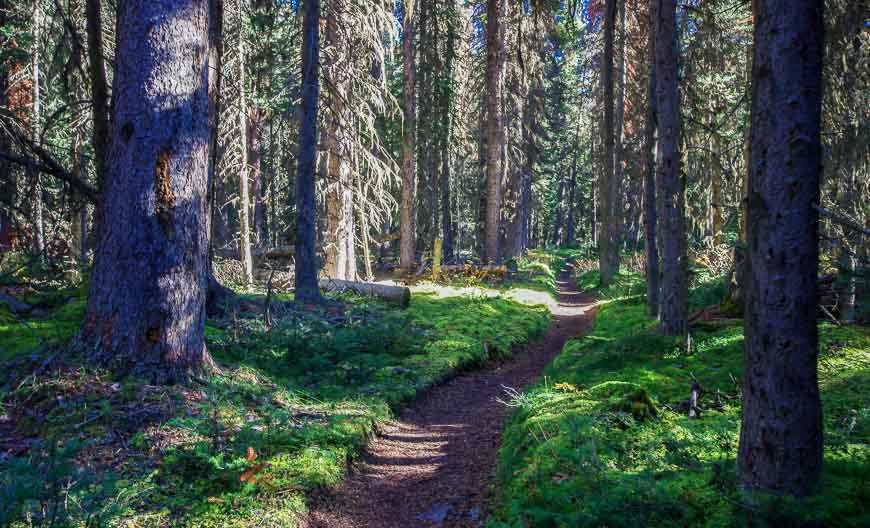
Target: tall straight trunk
<point x="340" y="225"/>
<point x="572" y="189"/>
<point x="244" y="191"/>
<point x="8" y="182"/>
<point x="608" y="247"/>
<point x="649" y="175"/>
<point x="409" y="133"/>
<point x="669" y="179"/>
<point x="146" y="305"/>
<point x="494" y="126"/>
<point x="617" y="195"/>
<point x="99" y="86"/>
<point x="781" y="425"/>
<point x="558" y="220"/>
<point x="307" y="289"/>
<point x="445" y="106"/>
<point x="36" y="128"/>
<point x="255" y="160"/>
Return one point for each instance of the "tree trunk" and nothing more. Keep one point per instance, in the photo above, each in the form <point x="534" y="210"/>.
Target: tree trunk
<point x="649" y="176"/>
<point x="307" y="289"/>
<point x="572" y="189"/>
<point x="146" y="306"/>
<point x="99" y="87"/>
<point x="255" y="161"/>
<point x="608" y="248"/>
<point x="244" y="195"/>
<point x="409" y="133"/>
<point x="669" y="179"/>
<point x="36" y="128"/>
<point x="494" y="125"/>
<point x="781" y="426"/>
<point x="8" y="182"/>
<point x="617" y="195"/>
<point x="340" y="246"/>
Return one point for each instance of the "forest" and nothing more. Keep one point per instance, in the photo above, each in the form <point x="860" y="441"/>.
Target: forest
<point x="434" y="263"/>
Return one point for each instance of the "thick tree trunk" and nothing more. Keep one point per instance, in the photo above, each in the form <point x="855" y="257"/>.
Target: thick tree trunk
<point x="146" y="306"/>
<point x="608" y="247"/>
<point x="494" y="126"/>
<point x="781" y="426"/>
<point x="307" y="289"/>
<point x="649" y="176"/>
<point x="669" y="178"/>
<point x="409" y="133"/>
<point x="99" y="87"/>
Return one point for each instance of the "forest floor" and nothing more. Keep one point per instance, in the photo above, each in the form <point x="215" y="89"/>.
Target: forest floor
<point x="435" y="464"/>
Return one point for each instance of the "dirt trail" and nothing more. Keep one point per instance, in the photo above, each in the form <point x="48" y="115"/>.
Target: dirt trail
<point x="435" y="465"/>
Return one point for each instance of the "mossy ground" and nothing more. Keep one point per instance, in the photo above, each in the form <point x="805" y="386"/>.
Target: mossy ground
<point x="602" y="441"/>
<point x="290" y="406"/>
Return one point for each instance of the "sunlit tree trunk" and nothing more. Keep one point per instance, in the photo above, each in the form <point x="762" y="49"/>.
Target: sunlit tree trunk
<point x="781" y="425"/>
<point x="36" y="128"/>
<point x="340" y="201"/>
<point x="669" y="179"/>
<point x="306" y="271"/>
<point x="146" y="305"/>
<point x="409" y="133"/>
<point x="244" y="190"/>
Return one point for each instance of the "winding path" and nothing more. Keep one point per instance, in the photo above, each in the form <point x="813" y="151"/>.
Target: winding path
<point x="434" y="466"/>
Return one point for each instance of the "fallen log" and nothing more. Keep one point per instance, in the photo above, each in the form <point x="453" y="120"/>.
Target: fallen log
<point x="394" y="294"/>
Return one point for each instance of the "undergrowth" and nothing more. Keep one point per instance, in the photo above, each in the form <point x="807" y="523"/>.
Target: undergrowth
<point x="605" y="439"/>
<point x="287" y="410"/>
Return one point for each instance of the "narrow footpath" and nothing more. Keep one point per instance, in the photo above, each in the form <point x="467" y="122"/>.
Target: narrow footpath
<point x="434" y="467"/>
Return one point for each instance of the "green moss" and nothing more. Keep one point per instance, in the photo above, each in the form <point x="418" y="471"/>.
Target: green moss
<point x="586" y="449"/>
<point x="291" y="406"/>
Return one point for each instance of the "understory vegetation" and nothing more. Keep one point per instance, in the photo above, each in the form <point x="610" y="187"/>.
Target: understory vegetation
<point x="605" y="438"/>
<point x="289" y="405"/>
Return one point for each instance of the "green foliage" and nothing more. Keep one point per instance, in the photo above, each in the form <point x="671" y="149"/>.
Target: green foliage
<point x="289" y="408"/>
<point x="604" y="442"/>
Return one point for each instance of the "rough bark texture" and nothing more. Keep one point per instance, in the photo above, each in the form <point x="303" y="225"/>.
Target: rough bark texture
<point x="409" y="158"/>
<point x="669" y="179"/>
<point x="340" y="225"/>
<point x="34" y="176"/>
<point x="781" y="428"/>
<point x="145" y="310"/>
<point x="99" y="86"/>
<point x="244" y="191"/>
<point x="307" y="289"/>
<point x="649" y="177"/>
<point x="7" y="182"/>
<point x="494" y="125"/>
<point x="608" y="247"/>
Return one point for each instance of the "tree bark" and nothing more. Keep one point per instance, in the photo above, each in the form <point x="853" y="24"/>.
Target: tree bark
<point x="36" y="130"/>
<point x="244" y="191"/>
<point x="409" y="133"/>
<point x="669" y="178"/>
<point x="307" y="289"/>
<point x="649" y="176"/>
<point x="608" y="247"/>
<point x="781" y="426"/>
<point x="146" y="305"/>
<point x="99" y="87"/>
<point x="494" y="126"/>
<point x="340" y="225"/>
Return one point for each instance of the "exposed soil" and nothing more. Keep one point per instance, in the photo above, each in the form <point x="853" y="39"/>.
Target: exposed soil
<point x="435" y="465"/>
